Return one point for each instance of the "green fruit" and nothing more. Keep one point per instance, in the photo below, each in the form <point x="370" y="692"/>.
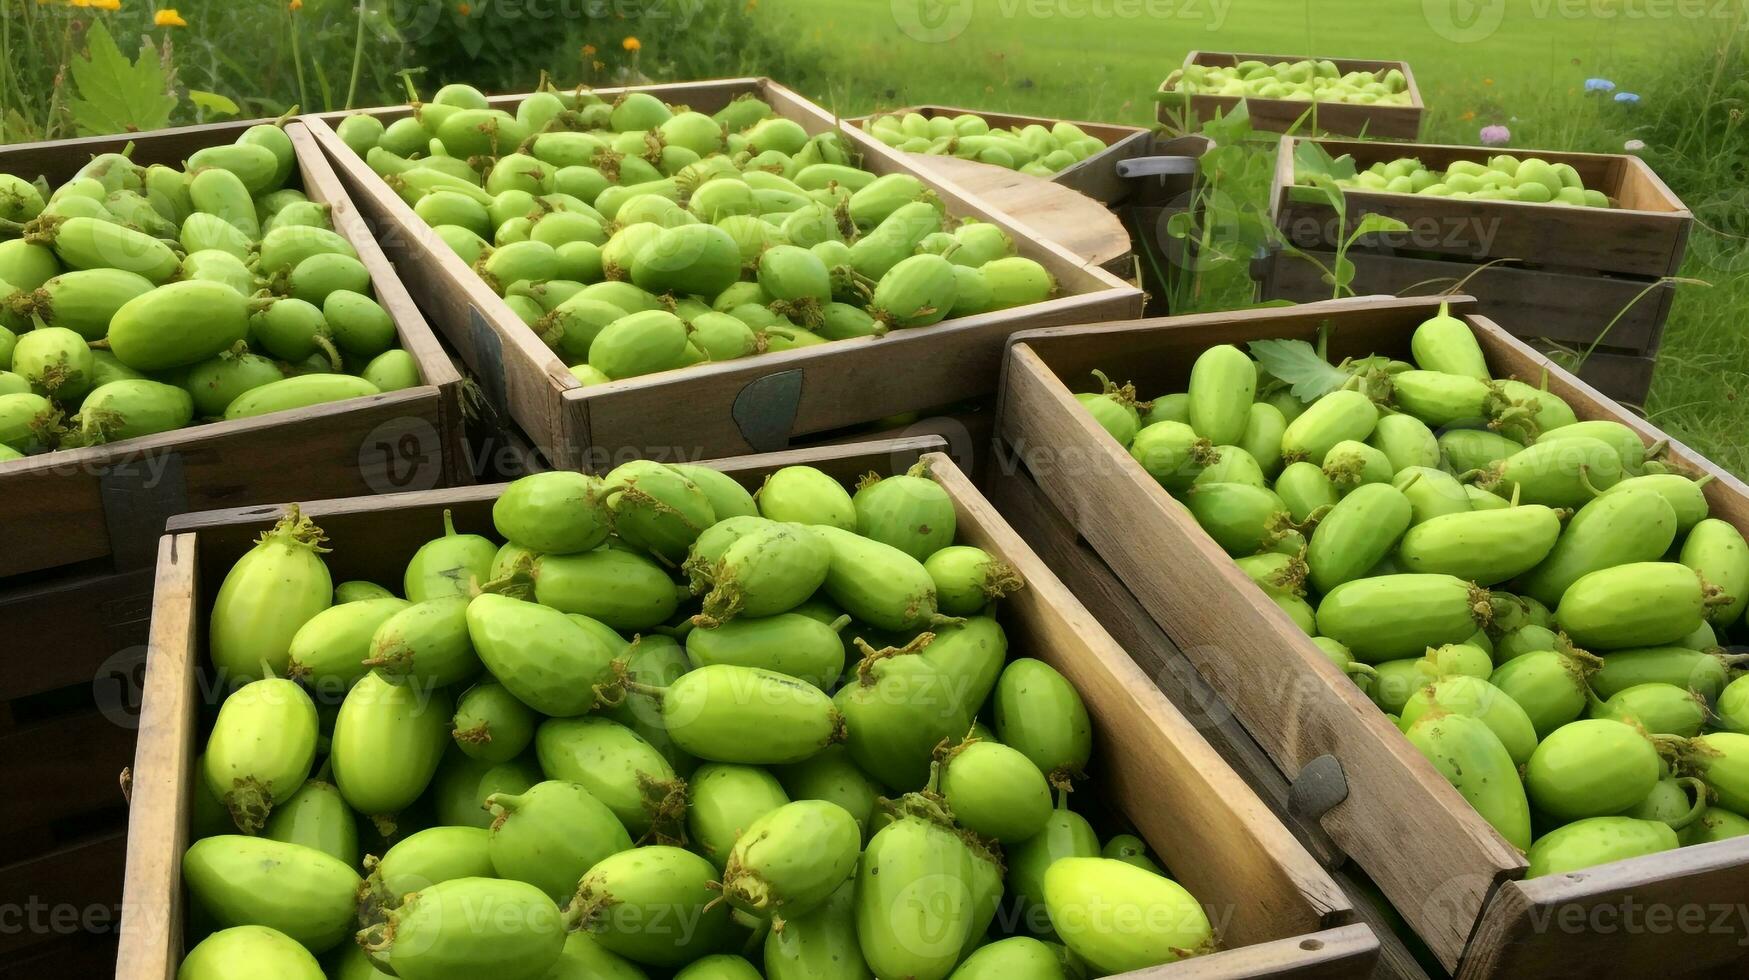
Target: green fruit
<point x="1475" y="697"/>
<point x="444" y="931"/>
<point x="1066" y="834"/>
<point x="1562" y="473"/>
<point x="297" y="890"/>
<point x="1685" y="496"/>
<point x="1550" y="686"/>
<point x="1357" y="534"/>
<point x="544" y="657"/>
<point x="451" y="565"/>
<point x="1485" y="547"/>
<point x="490" y="724"/>
<point x="916" y="292"/>
<point x="914" y="907"/>
<point x="261" y="749"/>
<point x="788" y="643"/>
<point x="217" y="382"/>
<point x="86" y="301"/>
<point x="656" y="508"/>
<point x="1620" y="527"/>
<point x="1223" y="382"/>
<point x="1703" y="671"/>
<point x="252" y="950"/>
<point x="877" y="583"/>
<point x="56" y="362"/>
<point x="423" y="859"/>
<point x="551" y="834"/>
<point x="298" y="392"/>
<point x="329" y="651"/>
<point x="1716" y="550"/>
<point x="1634" y="605"/>
<point x="553" y="513"/>
<point x="1446" y="344"/>
<point x="723" y="801"/>
<point x="425" y="643"/>
<point x="1722" y="760"/>
<point x="388" y="739"/>
<point x="1338" y="416"/>
<point x="1471" y="757"/>
<point x="1714" y="824"/>
<point x="1597" y="840"/>
<point x="910" y="512"/>
<point x="1039" y="713"/>
<point x="654" y="905"/>
<point x="804" y="495"/>
<point x="772" y="570"/>
<point x="996" y="791"/>
<point x="728" y="498"/>
<point x="92" y="243"/>
<point x="622" y="589"/>
<point x="1591" y="768"/>
<point x="726" y="713"/>
<point x="266" y="597"/>
<point x="820" y="945"/>
<point x="317" y="816"/>
<point x="833" y="776"/>
<point x="1661" y="709"/>
<point x="1014" y="958"/>
<point x="179" y="324"/>
<point x="616" y="766"/>
<point x="460" y="788"/>
<point x="967" y="579"/>
<point x="1394" y="616"/>
<point x="790" y="860"/>
<point x="1170" y="925"/>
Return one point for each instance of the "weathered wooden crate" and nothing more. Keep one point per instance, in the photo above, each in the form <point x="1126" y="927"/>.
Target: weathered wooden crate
<point x="1570" y="269"/>
<point x="1449" y="874"/>
<point x="107" y="505"/>
<point x="1390" y="122"/>
<point x="755" y="404"/>
<point x="1284" y="917"/>
<point x="1095" y="176"/>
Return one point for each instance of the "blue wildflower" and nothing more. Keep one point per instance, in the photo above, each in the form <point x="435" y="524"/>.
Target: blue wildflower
<point x="1599" y="85"/>
<point x="1627" y="98"/>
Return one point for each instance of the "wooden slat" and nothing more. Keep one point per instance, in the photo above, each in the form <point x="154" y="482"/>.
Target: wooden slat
<point x="1643" y="236"/>
<point x="1073" y="220"/>
<point x="51" y="508"/>
<point x="1387" y="122"/>
<point x="69" y="626"/>
<point x="1433" y="878"/>
<point x="1283" y="916"/>
<point x="842" y="383"/>
<point x="151" y="933"/>
<point x="1096" y="176"/>
<point x="61" y="892"/>
<point x="57" y="770"/>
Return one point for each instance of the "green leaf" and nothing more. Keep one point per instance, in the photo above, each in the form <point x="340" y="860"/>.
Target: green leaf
<point x="1312" y="160"/>
<point x="1180" y="225"/>
<point x="214" y="103"/>
<point x="117" y="95"/>
<point x="1297" y="363"/>
<point x="1372" y="223"/>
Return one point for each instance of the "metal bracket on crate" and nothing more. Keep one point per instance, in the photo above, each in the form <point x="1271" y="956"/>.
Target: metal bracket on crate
<point x="765" y="410"/>
<point x="1319" y="787"/>
<point x="1160" y="166"/>
<point x="138" y="496"/>
<point x="489" y="362"/>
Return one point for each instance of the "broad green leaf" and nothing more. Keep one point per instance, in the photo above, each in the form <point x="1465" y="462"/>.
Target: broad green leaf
<point x="1372" y="223"/>
<point x="214" y="103"/>
<point x="117" y="95"/>
<point x="1180" y="225"/>
<point x="1297" y="363"/>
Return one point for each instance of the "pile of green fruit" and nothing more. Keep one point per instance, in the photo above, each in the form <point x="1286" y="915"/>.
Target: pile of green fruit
<point x="638" y="237"/>
<point x="1294" y="81"/>
<point x="1537" y="601"/>
<point x="136" y="300"/>
<point x="1031" y="149"/>
<point x="666" y="725"/>
<point x="1502" y="178"/>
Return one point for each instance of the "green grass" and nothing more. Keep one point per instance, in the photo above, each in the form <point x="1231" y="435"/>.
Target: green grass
<point x="1528" y="74"/>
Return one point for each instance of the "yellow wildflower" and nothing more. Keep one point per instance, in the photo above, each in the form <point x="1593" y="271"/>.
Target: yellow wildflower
<point x="631" y="44"/>
<point x="168" y="17"/>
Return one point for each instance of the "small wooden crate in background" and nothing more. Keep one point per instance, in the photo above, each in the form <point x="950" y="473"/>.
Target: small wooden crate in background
<point x="1572" y="269"/>
<point x="1389" y="122"/>
<point x="732" y="407"/>
<point x="1450" y="875"/>
<point x="1096" y="176"/>
<point x="81" y="529"/>
<point x="1283" y="916"/>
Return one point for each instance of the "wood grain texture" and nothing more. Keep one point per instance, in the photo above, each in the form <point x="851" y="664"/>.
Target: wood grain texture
<point x="70" y="625"/>
<point x="1096" y="176"/>
<point x="1645" y="234"/>
<point x="1073" y="220"/>
<point x="1385" y="122"/>
<point x="1284" y="916"/>
<point x="58" y="774"/>
<point x="151" y="928"/>
<point x="843" y="383"/>
<point x="54" y="514"/>
<point x="1440" y="882"/>
<point x="82" y="878"/>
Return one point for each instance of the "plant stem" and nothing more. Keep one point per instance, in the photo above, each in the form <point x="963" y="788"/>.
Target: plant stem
<point x="357" y="57"/>
<point x="297" y="58"/>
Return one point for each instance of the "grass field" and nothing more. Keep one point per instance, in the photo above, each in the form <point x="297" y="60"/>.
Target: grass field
<point x="1518" y="63"/>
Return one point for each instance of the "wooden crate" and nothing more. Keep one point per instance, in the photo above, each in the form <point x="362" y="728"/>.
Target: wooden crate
<point x="1284" y="917"/>
<point x="1546" y="307"/>
<point x="733" y="407"/>
<point x="108" y="504"/>
<point x="1096" y="176"/>
<point x="1644" y="235"/>
<point x="1390" y="122"/>
<point x="1449" y="874"/>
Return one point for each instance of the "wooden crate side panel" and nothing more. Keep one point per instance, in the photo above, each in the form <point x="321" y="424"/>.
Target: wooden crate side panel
<point x="1248" y="870"/>
<point x="1284" y="115"/>
<point x="1342" y="953"/>
<point x="726" y="405"/>
<point x="1686" y="909"/>
<point x="83" y="878"/>
<point x="72" y="625"/>
<point x="151" y="934"/>
<point x="327" y="450"/>
<point x="55" y="772"/>
<point x="1566" y="307"/>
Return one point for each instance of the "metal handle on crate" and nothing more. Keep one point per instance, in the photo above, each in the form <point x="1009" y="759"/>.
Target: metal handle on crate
<point x="1319" y="787"/>
<point x="765" y="410"/>
<point x="1157" y="166"/>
